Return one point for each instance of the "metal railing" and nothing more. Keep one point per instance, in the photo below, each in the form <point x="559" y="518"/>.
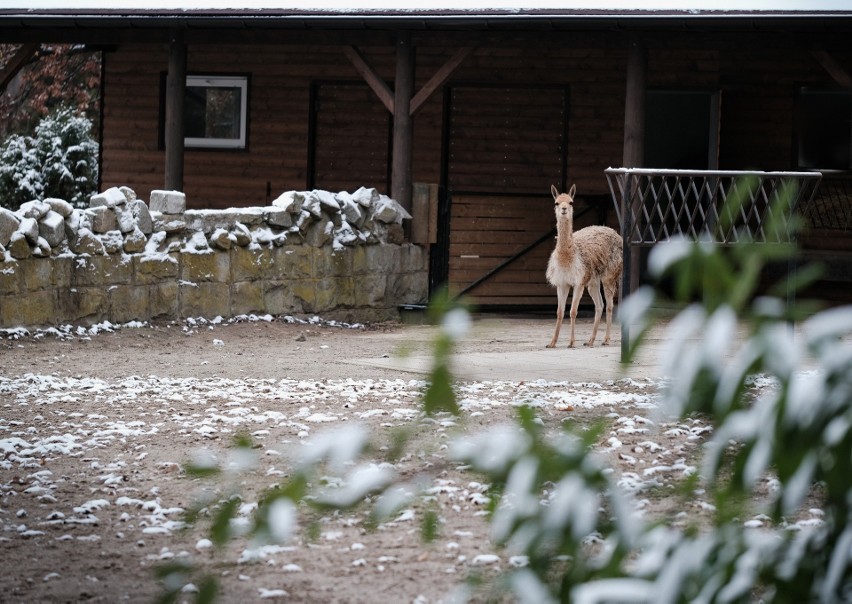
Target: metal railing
<point x="656" y="205"/>
<point x="830" y="208"/>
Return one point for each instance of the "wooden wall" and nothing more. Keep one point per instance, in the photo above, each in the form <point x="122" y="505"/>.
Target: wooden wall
<point x="351" y="137"/>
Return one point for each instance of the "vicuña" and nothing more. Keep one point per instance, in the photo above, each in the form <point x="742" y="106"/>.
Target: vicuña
<point x="589" y="258"/>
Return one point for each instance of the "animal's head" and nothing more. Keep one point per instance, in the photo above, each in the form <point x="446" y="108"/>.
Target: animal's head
<point x="563" y="202"/>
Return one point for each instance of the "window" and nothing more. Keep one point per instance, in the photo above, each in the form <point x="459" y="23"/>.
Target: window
<point x="824" y="129"/>
<point x="215" y="109"/>
<point x="681" y="130"/>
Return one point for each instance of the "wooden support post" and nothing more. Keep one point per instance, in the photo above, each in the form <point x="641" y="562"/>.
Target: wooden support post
<point x="402" y="122"/>
<point x="175" y="93"/>
<point x="633" y="157"/>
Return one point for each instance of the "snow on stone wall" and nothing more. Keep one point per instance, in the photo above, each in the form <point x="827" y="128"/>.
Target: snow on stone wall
<point x="122" y="259"/>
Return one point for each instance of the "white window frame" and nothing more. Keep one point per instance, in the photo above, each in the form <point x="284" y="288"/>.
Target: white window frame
<point x="241" y="82"/>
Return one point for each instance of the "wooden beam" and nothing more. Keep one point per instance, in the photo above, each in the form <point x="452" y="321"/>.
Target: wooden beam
<point x="834" y="69"/>
<point x="403" y="124"/>
<point x="633" y="157"/>
<point x="16" y="63"/>
<point x="175" y="93"/>
<point x="382" y="90"/>
<point x="634" y="106"/>
<point x="440" y="77"/>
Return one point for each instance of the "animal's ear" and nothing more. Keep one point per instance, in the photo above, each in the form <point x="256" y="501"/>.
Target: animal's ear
<point x="554" y="192"/>
<point x="572" y="191"/>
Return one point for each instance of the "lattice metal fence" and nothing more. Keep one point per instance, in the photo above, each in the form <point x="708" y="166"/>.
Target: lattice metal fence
<point x="831" y="207"/>
<point x="656" y="205"/>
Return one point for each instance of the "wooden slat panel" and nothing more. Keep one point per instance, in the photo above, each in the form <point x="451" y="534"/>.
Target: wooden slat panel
<point x="352" y="138"/>
<point x="506" y="139"/>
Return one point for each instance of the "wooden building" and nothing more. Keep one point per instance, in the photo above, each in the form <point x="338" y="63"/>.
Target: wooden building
<point x="235" y="106"/>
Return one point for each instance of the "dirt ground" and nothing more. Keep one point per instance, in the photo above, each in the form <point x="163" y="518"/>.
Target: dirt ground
<point x="95" y="432"/>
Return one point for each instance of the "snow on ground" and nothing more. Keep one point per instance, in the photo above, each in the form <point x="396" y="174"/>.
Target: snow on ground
<point x="93" y="467"/>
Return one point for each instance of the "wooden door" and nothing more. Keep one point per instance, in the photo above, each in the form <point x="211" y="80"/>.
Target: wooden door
<point x="505" y="146"/>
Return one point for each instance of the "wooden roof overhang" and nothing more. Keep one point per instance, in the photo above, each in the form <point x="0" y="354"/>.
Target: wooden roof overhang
<point x="253" y="25"/>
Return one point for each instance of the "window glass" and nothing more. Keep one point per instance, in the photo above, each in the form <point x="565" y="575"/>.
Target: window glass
<point x="215" y="112"/>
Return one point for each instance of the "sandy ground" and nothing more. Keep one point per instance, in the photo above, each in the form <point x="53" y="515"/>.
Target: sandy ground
<point x="95" y="432"/>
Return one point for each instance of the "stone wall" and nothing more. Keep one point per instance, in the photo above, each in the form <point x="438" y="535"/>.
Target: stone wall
<point x="341" y="255"/>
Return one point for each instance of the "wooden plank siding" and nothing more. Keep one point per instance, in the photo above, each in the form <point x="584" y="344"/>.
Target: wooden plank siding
<point x="758" y="86"/>
<point x="486" y="230"/>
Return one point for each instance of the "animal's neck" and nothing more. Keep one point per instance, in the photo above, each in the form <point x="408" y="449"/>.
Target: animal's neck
<point x="565" y="233"/>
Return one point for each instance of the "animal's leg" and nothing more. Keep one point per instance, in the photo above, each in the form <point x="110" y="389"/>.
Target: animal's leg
<point x="609" y="290"/>
<point x="561" y="297"/>
<point x="575" y="303"/>
<point x="595" y="292"/>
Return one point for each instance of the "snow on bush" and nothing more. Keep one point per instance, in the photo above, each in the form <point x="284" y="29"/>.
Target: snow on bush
<point x="60" y="160"/>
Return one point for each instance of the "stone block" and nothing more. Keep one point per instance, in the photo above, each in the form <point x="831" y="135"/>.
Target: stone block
<point x="241" y="234"/>
<point x="34" y="209"/>
<point x="142" y="215"/>
<point x="60" y="206"/>
<point x="52" y="228"/>
<point x="277" y="217"/>
<point x="360" y="260"/>
<point x="249" y="264"/>
<point x="280" y="299"/>
<point x="163" y="300"/>
<point x="9" y="223"/>
<point x="291" y="262"/>
<point x="370" y="290"/>
<point x="169" y="223"/>
<point x="365" y="197"/>
<point x="10" y="278"/>
<point x="208" y="221"/>
<point x="113" y="242"/>
<point x="407" y="289"/>
<point x="168" y="202"/>
<point x="292" y="201"/>
<point x="221" y="239"/>
<point x="102" y="271"/>
<point x="328" y="263"/>
<point x="125" y="219"/>
<point x="36" y="274"/>
<point x="42" y="248"/>
<point x="207" y="300"/>
<point x="382" y="258"/>
<point x="319" y="233"/>
<point x="305" y="291"/>
<point x="155" y="268"/>
<point x="209" y="266"/>
<point x="129" y="194"/>
<point x="103" y="219"/>
<point x="82" y="304"/>
<point x="128" y="303"/>
<point x="29" y="229"/>
<point x="135" y="241"/>
<point x="110" y="198"/>
<point x="247" y="297"/>
<point x="32" y="309"/>
<point x="412" y="259"/>
<point x="334" y="292"/>
<point x="19" y="246"/>
<point x="86" y="243"/>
